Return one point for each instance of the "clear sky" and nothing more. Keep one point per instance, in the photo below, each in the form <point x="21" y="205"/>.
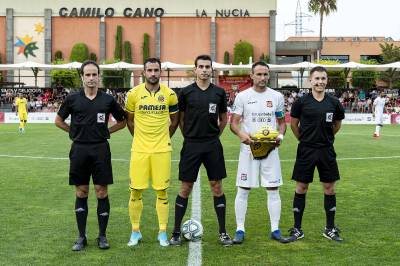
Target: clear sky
<point x="352" y="18"/>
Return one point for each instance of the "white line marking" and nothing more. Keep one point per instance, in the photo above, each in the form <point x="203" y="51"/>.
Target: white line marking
<point x="194" y="257"/>
<point x="127" y="160"/>
<point x="370" y="136"/>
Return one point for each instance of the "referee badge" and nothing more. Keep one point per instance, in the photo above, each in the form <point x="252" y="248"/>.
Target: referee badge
<point x="101" y="118"/>
<point x="329" y="117"/>
<point x="212" y="108"/>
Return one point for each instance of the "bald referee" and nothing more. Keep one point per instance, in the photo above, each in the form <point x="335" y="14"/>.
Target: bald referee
<point x="90" y="154"/>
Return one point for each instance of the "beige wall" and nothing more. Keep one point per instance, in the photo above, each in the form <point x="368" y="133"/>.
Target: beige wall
<point x="182" y="39"/>
<point x="133" y="30"/>
<point x="172" y="7"/>
<point x="338" y="45"/>
<point x="68" y="31"/>
<point x="253" y="30"/>
<point x="3" y="39"/>
<point x="353" y="49"/>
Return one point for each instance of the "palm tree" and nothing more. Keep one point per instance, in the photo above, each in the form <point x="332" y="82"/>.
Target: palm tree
<point x="323" y="8"/>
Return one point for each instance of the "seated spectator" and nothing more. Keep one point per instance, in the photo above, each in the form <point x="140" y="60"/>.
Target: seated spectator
<point x="39" y="104"/>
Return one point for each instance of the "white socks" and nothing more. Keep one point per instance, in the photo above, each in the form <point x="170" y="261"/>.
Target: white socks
<point x="274" y="208"/>
<point x="241" y="207"/>
<point x="378" y="130"/>
<point x="273" y="204"/>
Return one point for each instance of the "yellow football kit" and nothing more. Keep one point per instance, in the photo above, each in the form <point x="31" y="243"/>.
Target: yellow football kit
<point x="21" y="104"/>
<point x="151" y="148"/>
<point x="151" y="134"/>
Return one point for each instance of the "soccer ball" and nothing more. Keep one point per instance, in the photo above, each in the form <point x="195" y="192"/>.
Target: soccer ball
<point x="192" y="230"/>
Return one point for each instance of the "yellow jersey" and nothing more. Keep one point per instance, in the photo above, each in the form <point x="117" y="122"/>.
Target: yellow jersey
<point x="151" y="122"/>
<point x="21" y="104"/>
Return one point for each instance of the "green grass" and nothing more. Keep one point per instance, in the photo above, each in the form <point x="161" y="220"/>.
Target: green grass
<point x="37" y="223"/>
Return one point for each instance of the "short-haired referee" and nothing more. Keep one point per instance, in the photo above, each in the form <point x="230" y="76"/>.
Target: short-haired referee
<point x="90" y="154"/>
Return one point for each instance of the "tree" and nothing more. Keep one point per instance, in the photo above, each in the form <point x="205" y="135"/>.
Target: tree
<point x="93" y="57"/>
<point x="145" y="47"/>
<point x="323" y="8"/>
<point x="128" y="59"/>
<point x="58" y="55"/>
<point x="226" y="58"/>
<point x="118" y="44"/>
<point x="79" y="52"/>
<point x="226" y="61"/>
<point x="336" y="78"/>
<point x="264" y="58"/>
<point x="364" y="79"/>
<point x="128" y="52"/>
<point x="112" y="78"/>
<point x="390" y="54"/>
<point x="67" y="78"/>
<point x="242" y="52"/>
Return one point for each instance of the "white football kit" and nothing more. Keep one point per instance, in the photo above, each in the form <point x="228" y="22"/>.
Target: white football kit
<point x="379" y="104"/>
<point x="258" y="109"/>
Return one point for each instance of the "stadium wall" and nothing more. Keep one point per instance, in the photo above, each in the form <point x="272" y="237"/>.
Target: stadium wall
<point x="185" y="31"/>
<point x="183" y="38"/>
<point x="132" y="31"/>
<point x="254" y="30"/>
<point x="67" y="32"/>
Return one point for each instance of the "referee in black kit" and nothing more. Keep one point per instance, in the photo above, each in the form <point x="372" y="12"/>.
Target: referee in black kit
<point x="202" y="108"/>
<point x="315" y="119"/>
<point x="90" y="154"/>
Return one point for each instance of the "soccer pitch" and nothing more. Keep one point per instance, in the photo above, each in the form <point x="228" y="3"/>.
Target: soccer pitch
<point x="38" y="222"/>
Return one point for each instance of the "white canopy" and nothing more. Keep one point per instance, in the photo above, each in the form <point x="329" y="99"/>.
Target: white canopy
<point x="216" y="66"/>
<point x="174" y="66"/>
<point x="121" y="65"/>
<point x="72" y="65"/>
<point x="25" y="65"/>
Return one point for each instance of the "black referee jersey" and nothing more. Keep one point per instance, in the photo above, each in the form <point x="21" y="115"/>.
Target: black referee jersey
<point x="316" y="119"/>
<point x="89" y="118"/>
<point x="202" y="109"/>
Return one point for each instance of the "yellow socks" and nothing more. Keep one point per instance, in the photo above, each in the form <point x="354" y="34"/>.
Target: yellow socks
<point x="162" y="207"/>
<point x="135" y="208"/>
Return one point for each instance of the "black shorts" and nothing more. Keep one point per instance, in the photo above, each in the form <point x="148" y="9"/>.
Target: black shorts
<point x="209" y="153"/>
<point x="308" y="158"/>
<point x="90" y="160"/>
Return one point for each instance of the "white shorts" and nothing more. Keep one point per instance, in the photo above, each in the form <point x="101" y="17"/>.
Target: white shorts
<point x="249" y="170"/>
<point x="378" y="119"/>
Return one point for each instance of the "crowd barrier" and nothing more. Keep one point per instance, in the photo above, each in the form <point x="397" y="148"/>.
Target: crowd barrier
<point x="350" y="118"/>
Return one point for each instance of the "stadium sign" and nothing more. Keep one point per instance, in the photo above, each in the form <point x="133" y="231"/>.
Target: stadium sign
<point x="225" y="13"/>
<point x="109" y="12"/>
<point x="3" y="91"/>
<point x="146" y="12"/>
<point x="364" y="119"/>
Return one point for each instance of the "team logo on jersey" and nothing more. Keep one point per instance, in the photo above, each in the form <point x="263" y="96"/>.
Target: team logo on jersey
<point x="329" y="117"/>
<point x="101" y="118"/>
<point x="269" y="104"/>
<point x="161" y="98"/>
<point x="243" y="177"/>
<point x="212" y="109"/>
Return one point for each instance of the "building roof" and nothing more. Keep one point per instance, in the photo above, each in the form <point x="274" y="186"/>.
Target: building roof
<point x="342" y="39"/>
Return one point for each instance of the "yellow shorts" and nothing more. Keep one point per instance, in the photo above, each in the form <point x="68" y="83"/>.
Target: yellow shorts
<point x="146" y="166"/>
<point x="23" y="116"/>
